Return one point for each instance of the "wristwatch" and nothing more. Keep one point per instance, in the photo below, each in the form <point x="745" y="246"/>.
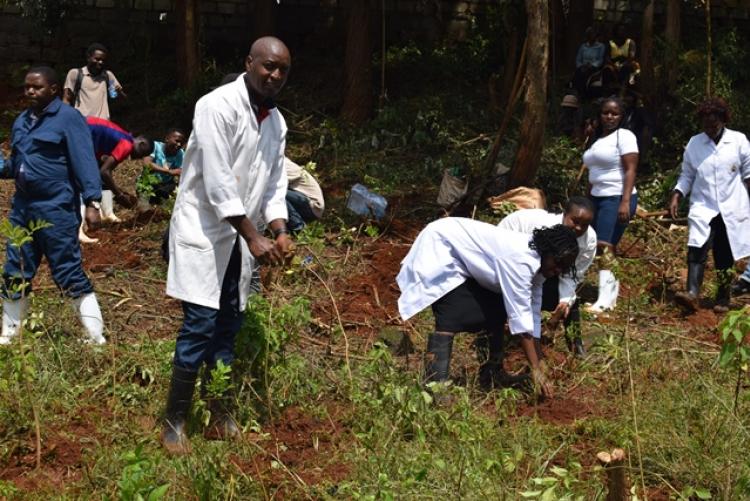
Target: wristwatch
<point x="94" y="204"/>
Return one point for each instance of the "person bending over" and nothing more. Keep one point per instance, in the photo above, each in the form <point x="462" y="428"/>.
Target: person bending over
<point x="476" y="276"/>
<point x="559" y="293"/>
<point x="166" y="163"/>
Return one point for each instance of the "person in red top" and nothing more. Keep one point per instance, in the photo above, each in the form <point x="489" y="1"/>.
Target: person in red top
<point x="112" y="145"/>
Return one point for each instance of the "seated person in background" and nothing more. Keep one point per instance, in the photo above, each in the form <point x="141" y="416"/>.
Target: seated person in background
<point x="621" y="64"/>
<point x="304" y="198"/>
<point x="112" y="145"/>
<point x="166" y="164"/>
<point x="589" y="60"/>
<point x="559" y="293"/>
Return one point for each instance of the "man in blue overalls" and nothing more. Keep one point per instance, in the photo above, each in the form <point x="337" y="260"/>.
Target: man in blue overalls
<point x="52" y="162"/>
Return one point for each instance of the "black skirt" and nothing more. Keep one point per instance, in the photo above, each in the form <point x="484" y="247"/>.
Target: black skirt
<point x="469" y="308"/>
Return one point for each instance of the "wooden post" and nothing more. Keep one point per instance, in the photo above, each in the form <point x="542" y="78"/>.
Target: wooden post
<point x="618" y="484"/>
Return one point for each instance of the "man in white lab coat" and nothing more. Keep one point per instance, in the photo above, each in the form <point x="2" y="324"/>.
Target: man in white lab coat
<point x="559" y="293"/>
<point x="233" y="178"/>
<point x="716" y="175"/>
<point x="476" y="276"/>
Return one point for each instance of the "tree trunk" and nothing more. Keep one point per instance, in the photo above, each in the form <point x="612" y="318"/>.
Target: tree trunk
<point x="647" y="54"/>
<point x="500" y="97"/>
<point x="358" y="88"/>
<point x="558" y="62"/>
<point x="709" y="51"/>
<point x="672" y="38"/>
<point x="580" y="17"/>
<point x="187" y="42"/>
<point x="534" y="120"/>
<point x="264" y="18"/>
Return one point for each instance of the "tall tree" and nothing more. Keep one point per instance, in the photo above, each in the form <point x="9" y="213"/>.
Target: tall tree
<point x="647" y="80"/>
<point x="534" y="119"/>
<point x="358" y="88"/>
<point x="187" y="42"/>
<point x="672" y="38"/>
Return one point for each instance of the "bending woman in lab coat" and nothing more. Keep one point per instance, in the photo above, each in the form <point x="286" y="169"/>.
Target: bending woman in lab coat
<point x="476" y="276"/>
<point x="716" y="175"/>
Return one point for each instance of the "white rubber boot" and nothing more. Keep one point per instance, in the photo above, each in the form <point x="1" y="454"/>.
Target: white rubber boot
<point x="82" y="236"/>
<point x="14" y="311"/>
<point x="91" y="318"/>
<point x="609" y="288"/>
<point x="108" y="208"/>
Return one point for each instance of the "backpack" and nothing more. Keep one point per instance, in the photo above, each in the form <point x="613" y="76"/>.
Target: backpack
<point x="79" y="82"/>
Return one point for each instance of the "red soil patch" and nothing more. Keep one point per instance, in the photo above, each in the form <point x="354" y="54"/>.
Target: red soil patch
<point x="370" y="298"/>
<point x="305" y="445"/>
<point x="62" y="457"/>
<point x="113" y="251"/>
<point x="563" y="408"/>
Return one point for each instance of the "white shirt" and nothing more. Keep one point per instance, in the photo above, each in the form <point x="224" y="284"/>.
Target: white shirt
<point x="713" y="174"/>
<point x="304" y="182"/>
<point x="233" y="166"/>
<point x="450" y="250"/>
<point x="527" y="220"/>
<point x="604" y="162"/>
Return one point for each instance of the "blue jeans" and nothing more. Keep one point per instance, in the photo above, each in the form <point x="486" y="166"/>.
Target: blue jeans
<point x="607" y="228"/>
<point x="58" y="243"/>
<point x="298" y="207"/>
<point x="207" y="335"/>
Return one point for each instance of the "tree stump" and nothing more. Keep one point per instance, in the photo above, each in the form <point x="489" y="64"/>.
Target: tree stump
<point x="618" y="484"/>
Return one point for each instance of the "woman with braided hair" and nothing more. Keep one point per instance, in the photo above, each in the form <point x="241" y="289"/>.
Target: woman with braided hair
<point x="476" y="276"/>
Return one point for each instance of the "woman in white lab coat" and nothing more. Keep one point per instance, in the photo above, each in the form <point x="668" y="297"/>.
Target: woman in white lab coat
<point x="716" y="175"/>
<point x="475" y="276"/>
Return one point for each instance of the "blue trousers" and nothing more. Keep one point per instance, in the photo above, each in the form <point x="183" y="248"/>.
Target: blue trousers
<point x="298" y="208"/>
<point x="607" y="228"/>
<point x="58" y="243"/>
<point x="207" y="335"/>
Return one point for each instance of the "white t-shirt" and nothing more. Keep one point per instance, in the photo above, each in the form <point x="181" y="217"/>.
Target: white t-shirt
<point x="606" y="174"/>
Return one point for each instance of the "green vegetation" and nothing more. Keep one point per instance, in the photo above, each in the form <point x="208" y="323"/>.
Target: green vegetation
<point x="333" y="410"/>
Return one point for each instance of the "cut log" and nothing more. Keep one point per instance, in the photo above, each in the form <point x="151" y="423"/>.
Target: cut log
<point x="618" y="484"/>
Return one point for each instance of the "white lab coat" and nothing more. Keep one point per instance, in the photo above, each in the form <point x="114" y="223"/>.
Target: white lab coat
<point x="450" y="250"/>
<point x="232" y="167"/>
<point x="712" y="174"/>
<point x="527" y="220"/>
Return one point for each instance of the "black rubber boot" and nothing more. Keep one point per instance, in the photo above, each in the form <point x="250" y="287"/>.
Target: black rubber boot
<point x="174" y="436"/>
<point x="573" y="332"/>
<point x="437" y="358"/>
<point x="724" y="292"/>
<point x="690" y="299"/>
<point x="490" y="354"/>
<point x="221" y="424"/>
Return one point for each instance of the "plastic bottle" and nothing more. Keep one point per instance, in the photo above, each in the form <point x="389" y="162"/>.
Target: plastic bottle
<point x="112" y="91"/>
<point x="365" y="203"/>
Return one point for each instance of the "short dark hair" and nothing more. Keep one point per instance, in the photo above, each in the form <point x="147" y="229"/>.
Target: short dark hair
<point x="714" y="106"/>
<point x="579" y="201"/>
<point x="557" y="241"/>
<point x="95" y="47"/>
<point x="175" y="130"/>
<point x="149" y="145"/>
<point x="49" y="74"/>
